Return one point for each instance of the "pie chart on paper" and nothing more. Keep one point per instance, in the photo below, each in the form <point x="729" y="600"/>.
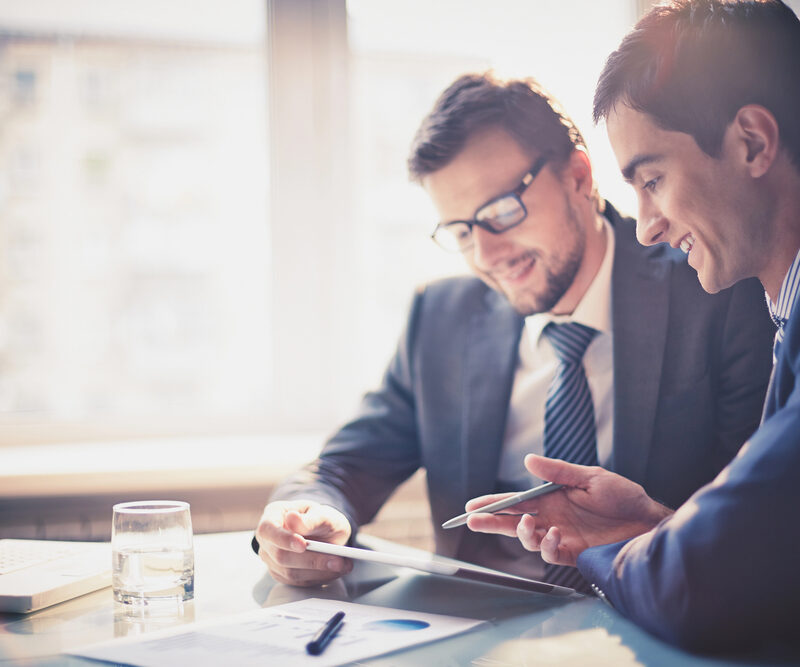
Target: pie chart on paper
<point x="396" y="625"/>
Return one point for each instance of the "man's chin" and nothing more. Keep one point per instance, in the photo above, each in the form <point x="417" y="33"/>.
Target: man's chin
<point x="525" y="301"/>
<point x="527" y="305"/>
<point x="712" y="283"/>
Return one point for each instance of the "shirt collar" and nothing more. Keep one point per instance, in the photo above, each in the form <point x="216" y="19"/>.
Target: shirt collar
<point x="594" y="308"/>
<point x="790" y="288"/>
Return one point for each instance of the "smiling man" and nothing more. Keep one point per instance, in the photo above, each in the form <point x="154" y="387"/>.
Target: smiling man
<point x="539" y="268"/>
<point x="702" y="102"/>
<point x="566" y="315"/>
<point x="690" y="199"/>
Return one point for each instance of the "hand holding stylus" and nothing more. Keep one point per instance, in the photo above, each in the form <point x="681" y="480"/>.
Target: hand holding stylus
<point x="502" y="503"/>
<point x="594" y="507"/>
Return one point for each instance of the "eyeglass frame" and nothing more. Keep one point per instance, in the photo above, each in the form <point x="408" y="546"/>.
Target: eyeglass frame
<point x="516" y="194"/>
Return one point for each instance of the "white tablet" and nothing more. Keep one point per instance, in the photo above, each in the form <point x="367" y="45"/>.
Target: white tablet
<point x="441" y="566"/>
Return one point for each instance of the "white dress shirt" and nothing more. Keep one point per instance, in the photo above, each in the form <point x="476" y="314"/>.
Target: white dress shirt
<point x="536" y="369"/>
<point x="781" y="311"/>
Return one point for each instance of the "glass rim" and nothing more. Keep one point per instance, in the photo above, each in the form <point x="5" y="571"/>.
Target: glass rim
<point x="150" y="506"/>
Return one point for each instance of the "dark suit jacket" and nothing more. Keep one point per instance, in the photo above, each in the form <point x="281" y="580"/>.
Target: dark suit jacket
<point x="724" y="570"/>
<point x="690" y="374"/>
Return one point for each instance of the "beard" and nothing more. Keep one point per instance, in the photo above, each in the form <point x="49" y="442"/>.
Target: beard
<point x="560" y="269"/>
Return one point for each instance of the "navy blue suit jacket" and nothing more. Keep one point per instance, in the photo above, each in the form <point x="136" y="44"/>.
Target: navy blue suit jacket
<point x="724" y="570"/>
<point x="690" y="375"/>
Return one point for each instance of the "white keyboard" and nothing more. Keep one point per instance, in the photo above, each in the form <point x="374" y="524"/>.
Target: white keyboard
<point x="20" y="554"/>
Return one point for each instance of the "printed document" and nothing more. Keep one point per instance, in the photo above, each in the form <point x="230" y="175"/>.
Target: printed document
<point x="278" y="635"/>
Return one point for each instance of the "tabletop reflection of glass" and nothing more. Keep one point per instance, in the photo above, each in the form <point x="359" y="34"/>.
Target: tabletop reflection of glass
<point x="524" y="628"/>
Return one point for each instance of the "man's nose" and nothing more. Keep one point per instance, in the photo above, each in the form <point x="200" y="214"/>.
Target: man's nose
<point x="651" y="225"/>
<point x="487" y="247"/>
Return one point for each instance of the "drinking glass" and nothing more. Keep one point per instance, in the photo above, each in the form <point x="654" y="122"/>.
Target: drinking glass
<point x="152" y="552"/>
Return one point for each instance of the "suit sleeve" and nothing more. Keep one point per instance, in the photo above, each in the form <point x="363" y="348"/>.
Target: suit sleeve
<point x="745" y="364"/>
<point x="377" y="450"/>
<point x="722" y="572"/>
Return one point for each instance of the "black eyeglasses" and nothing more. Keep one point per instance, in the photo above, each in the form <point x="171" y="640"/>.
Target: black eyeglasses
<point x="496" y="216"/>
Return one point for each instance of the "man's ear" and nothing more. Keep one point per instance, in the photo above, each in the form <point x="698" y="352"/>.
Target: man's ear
<point x="757" y="136"/>
<point x="580" y="170"/>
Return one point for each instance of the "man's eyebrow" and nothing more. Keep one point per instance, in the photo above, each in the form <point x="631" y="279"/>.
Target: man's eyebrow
<point x="629" y="170"/>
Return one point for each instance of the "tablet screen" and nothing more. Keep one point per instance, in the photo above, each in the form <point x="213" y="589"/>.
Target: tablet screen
<point x="444" y="567"/>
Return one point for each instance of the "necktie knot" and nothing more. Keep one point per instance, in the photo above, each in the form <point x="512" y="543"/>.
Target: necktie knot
<point x="569" y="340"/>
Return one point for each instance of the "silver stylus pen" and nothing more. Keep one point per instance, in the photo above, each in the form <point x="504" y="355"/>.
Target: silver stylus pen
<point x="547" y="487"/>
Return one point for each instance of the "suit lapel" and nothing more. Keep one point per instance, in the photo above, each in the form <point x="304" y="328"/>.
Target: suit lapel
<point x="490" y="361"/>
<point x="640" y="308"/>
<point x="770" y="400"/>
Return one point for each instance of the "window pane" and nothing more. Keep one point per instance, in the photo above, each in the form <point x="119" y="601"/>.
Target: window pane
<point x="134" y="248"/>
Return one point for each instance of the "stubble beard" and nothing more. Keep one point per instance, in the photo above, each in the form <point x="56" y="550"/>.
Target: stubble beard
<point x="559" y="270"/>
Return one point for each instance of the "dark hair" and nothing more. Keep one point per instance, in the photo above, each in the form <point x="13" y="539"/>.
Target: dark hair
<point x="692" y="64"/>
<point x="474" y="102"/>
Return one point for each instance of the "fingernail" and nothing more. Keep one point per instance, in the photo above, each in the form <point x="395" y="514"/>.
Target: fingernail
<point x="335" y="565"/>
<point x="298" y="546"/>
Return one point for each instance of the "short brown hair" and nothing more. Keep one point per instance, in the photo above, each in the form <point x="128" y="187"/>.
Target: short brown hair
<point x="692" y="64"/>
<point x="474" y="102"/>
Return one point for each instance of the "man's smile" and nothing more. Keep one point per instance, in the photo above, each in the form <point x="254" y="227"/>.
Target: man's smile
<point x="515" y="271"/>
<point x="687" y="243"/>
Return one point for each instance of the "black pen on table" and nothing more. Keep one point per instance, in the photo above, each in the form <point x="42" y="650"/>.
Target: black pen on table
<point x="326" y="633"/>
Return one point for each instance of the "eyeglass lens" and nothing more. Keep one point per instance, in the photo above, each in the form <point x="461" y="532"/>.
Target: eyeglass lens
<point x="499" y="215"/>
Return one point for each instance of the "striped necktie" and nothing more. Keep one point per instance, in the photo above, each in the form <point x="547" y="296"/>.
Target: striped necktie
<point x="569" y="426"/>
<point x="780" y="322"/>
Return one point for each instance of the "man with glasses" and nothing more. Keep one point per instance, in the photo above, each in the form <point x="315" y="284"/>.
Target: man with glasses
<point x="571" y="340"/>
